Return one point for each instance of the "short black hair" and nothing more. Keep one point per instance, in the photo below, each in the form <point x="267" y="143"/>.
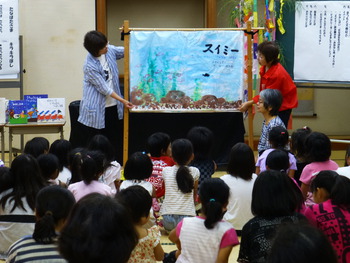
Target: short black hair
<point x="61" y="148"/>
<point x="202" y="140"/>
<point x="94" y="41"/>
<point x="98" y="229"/>
<point x="241" y="161"/>
<point x="137" y="199"/>
<point x="275" y="194"/>
<point x="272" y="98"/>
<point x="302" y="243"/>
<point x="278" y="160"/>
<point x="298" y="138"/>
<point x="36" y="146"/>
<point x="278" y="137"/>
<point x="101" y="143"/>
<point x="318" y="147"/>
<point x="138" y="167"/>
<point x="48" y="164"/>
<point x="157" y="143"/>
<point x="340" y="194"/>
<point x="270" y="51"/>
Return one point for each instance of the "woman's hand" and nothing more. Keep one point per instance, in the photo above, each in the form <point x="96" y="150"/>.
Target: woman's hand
<point x="128" y="104"/>
<point x="245" y="106"/>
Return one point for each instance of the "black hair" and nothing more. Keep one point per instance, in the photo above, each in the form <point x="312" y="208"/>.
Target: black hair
<point x="138" y="167"/>
<point x="347" y="155"/>
<point x="74" y="163"/>
<point x="298" y="138"/>
<point x="318" y="147"/>
<point x="214" y="194"/>
<point x="61" y="148"/>
<point x="94" y="41"/>
<point x="27" y="181"/>
<point x="49" y="164"/>
<point x="92" y="166"/>
<point x="182" y="152"/>
<point x="340" y="194"/>
<point x="36" y="146"/>
<point x="324" y="179"/>
<point x="241" y="161"/>
<point x="275" y="194"/>
<point x="272" y="98"/>
<point x="278" y="137"/>
<point x="101" y="143"/>
<point x="270" y="51"/>
<point x="53" y="204"/>
<point x="158" y="143"/>
<point x="98" y="229"/>
<point x="6" y="179"/>
<point x="137" y="200"/>
<point x="278" y="160"/>
<point x="302" y="243"/>
<point x="202" y="140"/>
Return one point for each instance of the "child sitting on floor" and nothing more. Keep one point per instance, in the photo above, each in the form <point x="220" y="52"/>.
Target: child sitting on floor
<point x="139" y="202"/>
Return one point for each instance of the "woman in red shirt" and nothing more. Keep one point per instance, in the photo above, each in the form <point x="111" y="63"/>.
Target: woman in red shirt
<point x="274" y="76"/>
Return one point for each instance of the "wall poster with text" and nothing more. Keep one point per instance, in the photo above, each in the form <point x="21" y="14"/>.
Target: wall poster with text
<point x="322" y="41"/>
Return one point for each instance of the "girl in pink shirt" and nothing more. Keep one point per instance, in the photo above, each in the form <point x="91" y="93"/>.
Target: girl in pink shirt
<point x="91" y="169"/>
<point x="318" y="152"/>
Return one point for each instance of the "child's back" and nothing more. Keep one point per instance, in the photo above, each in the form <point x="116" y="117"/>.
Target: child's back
<point x="91" y="169"/>
<point x="181" y="184"/>
<point x="202" y="140"/>
<point x="159" y="147"/>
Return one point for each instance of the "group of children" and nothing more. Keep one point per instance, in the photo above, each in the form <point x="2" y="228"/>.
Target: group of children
<point x="165" y="187"/>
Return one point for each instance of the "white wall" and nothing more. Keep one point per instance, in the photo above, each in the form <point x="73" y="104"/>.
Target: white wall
<point x="53" y="52"/>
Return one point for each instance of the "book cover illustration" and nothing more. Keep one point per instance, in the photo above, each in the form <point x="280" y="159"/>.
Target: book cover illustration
<point x="17" y="110"/>
<point x="51" y="110"/>
<point x="32" y="103"/>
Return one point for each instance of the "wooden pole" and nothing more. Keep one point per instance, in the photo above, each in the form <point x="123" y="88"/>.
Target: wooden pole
<point x="126" y="90"/>
<point x="101" y="16"/>
<point x="250" y="84"/>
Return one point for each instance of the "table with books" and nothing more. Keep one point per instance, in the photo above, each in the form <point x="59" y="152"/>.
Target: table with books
<point x="31" y="128"/>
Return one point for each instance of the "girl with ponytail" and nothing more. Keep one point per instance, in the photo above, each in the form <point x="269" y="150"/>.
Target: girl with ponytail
<point x="206" y="238"/>
<point x="181" y="183"/>
<point x="52" y="207"/>
<point x="331" y="213"/>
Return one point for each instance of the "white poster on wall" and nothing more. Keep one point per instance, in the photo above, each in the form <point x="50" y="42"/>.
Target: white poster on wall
<point x="9" y="37"/>
<point x="322" y="41"/>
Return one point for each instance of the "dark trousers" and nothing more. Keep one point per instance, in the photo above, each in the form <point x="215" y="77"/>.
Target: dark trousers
<point x="285" y="115"/>
<point x="113" y="131"/>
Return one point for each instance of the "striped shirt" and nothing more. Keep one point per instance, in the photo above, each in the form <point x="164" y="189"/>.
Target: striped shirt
<point x="175" y="202"/>
<point x="28" y="250"/>
<point x="264" y="143"/>
<point x="96" y="88"/>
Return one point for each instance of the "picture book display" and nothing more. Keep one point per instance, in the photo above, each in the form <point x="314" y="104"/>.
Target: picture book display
<point x="51" y="109"/>
<point x="17" y="111"/>
<point x="32" y="103"/>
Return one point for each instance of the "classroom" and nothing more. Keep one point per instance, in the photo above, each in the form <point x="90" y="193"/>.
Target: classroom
<point x="52" y="34"/>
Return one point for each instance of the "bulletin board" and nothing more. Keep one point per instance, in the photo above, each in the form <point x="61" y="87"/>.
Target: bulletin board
<point x="186" y="71"/>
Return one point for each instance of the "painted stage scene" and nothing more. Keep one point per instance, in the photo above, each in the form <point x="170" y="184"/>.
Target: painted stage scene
<point x="186" y="71"/>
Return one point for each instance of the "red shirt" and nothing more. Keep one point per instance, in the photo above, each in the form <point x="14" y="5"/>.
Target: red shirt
<point x="278" y="78"/>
